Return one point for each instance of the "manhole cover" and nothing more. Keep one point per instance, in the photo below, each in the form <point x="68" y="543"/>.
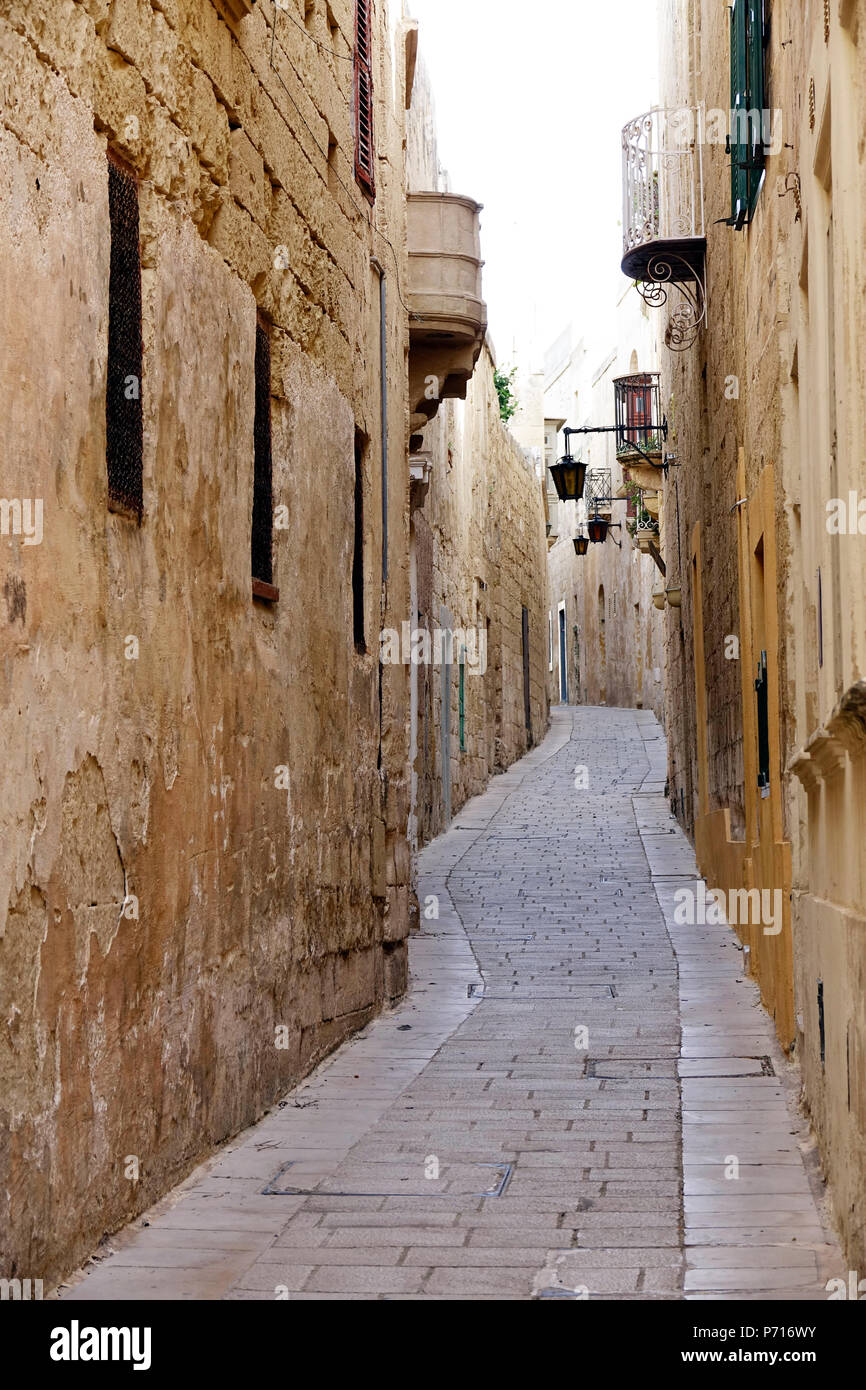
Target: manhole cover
<point x="464" y="1180"/>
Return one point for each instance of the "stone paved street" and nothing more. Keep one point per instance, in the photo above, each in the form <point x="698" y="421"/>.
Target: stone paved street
<point x="553" y="1110"/>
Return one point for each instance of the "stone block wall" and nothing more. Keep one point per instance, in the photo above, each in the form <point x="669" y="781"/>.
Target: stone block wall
<point x="767" y="411"/>
<point x="203" y="807"/>
<point x="480" y="554"/>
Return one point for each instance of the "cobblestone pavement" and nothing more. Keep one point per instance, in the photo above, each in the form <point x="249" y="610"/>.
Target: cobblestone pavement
<point x="552" y="1112"/>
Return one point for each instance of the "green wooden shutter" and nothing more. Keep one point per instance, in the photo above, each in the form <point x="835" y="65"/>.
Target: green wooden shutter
<point x="755" y="64"/>
<point x="739" y="106"/>
<point x="747" y="108"/>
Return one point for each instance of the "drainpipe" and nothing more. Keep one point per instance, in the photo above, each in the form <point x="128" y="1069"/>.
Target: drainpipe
<point x="383" y="376"/>
<point x="383" y="382"/>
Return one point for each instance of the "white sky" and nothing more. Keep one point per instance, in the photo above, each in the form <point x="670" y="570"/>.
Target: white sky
<point x="530" y="103"/>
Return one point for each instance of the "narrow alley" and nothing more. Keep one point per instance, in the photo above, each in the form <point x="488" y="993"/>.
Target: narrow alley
<point x="432" y="674"/>
<point x="578" y="1098"/>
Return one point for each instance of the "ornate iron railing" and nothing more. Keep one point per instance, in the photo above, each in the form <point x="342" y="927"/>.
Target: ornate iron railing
<point x="662" y="178"/>
<point x="664" y="241"/>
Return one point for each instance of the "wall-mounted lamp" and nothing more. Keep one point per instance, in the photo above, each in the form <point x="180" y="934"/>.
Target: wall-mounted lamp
<point x="569" y="474"/>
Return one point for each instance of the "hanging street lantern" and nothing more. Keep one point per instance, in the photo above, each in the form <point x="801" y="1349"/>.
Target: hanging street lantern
<point x="569" y="475"/>
<point x="598" y="527"/>
<point x="581" y="545"/>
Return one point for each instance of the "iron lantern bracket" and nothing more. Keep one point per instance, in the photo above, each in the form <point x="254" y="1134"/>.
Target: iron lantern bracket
<point x="598" y="502"/>
<point x="632" y="444"/>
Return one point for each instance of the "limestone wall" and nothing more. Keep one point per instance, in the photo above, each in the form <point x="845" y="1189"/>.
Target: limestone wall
<point x="205" y="842"/>
<point x="614" y="652"/>
<point x="478" y="556"/>
<point x="480" y="552"/>
<point x="767" y="411"/>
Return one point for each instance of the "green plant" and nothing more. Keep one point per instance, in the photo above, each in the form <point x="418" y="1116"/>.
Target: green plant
<point x="635" y="497"/>
<point x="637" y="438"/>
<point x="504" y="383"/>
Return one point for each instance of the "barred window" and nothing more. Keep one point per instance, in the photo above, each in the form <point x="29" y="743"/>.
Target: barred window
<point x="358" y="549"/>
<point x="124" y="431"/>
<point x="365" y="171"/>
<point x="262" y="528"/>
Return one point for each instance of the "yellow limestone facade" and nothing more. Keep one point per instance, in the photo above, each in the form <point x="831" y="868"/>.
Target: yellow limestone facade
<point x="767" y="414"/>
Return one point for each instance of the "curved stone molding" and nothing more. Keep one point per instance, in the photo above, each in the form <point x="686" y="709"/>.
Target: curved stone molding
<point x="803" y="767"/>
<point x="828" y="748"/>
<point x="848" y="721"/>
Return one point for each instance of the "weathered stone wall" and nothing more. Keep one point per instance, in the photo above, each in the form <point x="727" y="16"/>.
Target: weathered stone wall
<point x="613" y="631"/>
<point x="479" y="558"/>
<point x="825" y="628"/>
<point x="708" y="423"/>
<point x="207" y="841"/>
<point x="768" y="414"/>
<point x="480" y="551"/>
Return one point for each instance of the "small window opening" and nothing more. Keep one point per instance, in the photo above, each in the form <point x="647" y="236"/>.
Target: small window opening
<point x="263" y="502"/>
<point x="365" y="171"/>
<point x="124" y="428"/>
<point x="358" y="552"/>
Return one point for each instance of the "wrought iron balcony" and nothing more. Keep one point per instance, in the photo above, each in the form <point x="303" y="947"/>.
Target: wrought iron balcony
<point x="646" y="531"/>
<point x="664" y="241"/>
<point x="641" y="428"/>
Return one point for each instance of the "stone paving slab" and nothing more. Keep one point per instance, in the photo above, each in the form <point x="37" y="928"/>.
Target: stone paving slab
<point x="566" y="1047"/>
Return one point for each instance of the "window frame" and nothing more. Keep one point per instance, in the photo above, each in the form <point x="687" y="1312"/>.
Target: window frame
<point x="363" y="112"/>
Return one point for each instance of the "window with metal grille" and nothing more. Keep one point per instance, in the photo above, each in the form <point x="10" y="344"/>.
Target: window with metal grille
<point x="762" y="692"/>
<point x="748" y="101"/>
<point x="365" y="170"/>
<point x="640" y="407"/>
<point x="527" y="700"/>
<point x="124" y="430"/>
<point x="263" y="503"/>
<point x="358" y="553"/>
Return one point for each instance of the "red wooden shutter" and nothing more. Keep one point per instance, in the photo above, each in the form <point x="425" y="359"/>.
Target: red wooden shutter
<point x="365" y="171"/>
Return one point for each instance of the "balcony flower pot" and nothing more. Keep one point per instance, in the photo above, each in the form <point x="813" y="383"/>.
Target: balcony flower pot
<point x="637" y="451"/>
<point x="674" y="597"/>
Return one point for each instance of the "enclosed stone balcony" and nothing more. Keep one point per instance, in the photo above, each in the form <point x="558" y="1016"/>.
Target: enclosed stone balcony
<point x="448" y="316"/>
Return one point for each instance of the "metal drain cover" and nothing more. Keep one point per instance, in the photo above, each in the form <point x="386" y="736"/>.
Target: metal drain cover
<point x="455" y="1180"/>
